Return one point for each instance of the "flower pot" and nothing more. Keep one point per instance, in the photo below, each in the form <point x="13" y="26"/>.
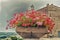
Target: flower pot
<point x="31" y="32"/>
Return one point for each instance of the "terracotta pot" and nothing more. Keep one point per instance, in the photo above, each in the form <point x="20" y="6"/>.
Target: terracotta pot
<point x="31" y="32"/>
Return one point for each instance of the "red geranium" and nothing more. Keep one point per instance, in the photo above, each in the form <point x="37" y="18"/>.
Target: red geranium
<point x="30" y="18"/>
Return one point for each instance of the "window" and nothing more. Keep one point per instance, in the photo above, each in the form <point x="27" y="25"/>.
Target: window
<point x="58" y="33"/>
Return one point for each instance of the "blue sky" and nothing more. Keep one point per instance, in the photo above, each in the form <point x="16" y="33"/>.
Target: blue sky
<point x="9" y="7"/>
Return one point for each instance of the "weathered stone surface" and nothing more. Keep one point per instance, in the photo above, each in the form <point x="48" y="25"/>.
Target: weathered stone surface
<point x="53" y="12"/>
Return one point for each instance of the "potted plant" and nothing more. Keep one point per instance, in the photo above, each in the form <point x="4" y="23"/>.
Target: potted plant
<point x="31" y="24"/>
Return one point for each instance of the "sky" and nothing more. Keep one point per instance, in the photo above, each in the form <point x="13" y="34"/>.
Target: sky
<point x="9" y="7"/>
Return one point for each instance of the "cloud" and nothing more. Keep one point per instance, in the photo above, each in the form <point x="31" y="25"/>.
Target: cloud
<point x="0" y="24"/>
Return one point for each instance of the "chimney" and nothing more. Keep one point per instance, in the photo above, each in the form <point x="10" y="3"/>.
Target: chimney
<point x="51" y="4"/>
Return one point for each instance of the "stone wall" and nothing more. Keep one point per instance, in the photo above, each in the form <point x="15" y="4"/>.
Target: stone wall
<point x="53" y="12"/>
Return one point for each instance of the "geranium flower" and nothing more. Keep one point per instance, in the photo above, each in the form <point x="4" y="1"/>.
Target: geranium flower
<point x="39" y="23"/>
<point x="30" y="18"/>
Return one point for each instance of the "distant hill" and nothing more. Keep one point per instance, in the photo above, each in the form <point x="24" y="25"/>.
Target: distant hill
<point x="6" y="34"/>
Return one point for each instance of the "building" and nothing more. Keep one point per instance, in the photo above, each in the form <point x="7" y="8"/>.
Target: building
<point x="54" y="12"/>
